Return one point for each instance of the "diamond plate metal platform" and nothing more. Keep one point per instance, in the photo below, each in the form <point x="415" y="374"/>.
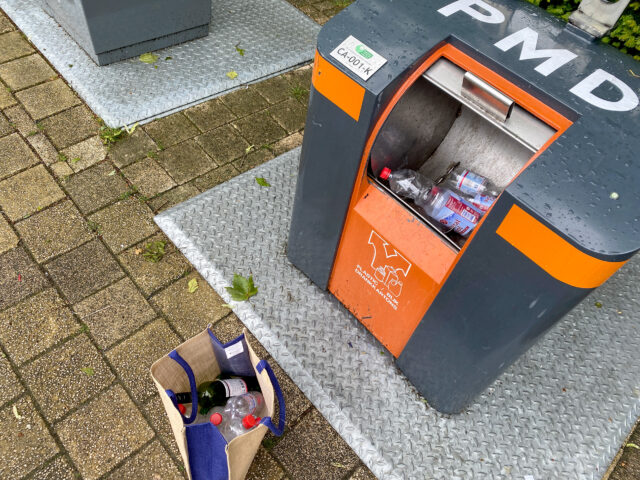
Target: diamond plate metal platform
<point x="562" y="411"/>
<point x="275" y="36"/>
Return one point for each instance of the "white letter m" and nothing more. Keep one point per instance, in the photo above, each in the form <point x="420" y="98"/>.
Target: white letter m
<point x="556" y="57"/>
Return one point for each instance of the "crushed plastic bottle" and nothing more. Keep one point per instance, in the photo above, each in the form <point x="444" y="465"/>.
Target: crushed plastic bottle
<point x="443" y="205"/>
<point x="479" y="190"/>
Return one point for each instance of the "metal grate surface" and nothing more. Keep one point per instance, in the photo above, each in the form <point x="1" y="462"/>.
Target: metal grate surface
<point x="275" y="36"/>
<point x="562" y="411"/>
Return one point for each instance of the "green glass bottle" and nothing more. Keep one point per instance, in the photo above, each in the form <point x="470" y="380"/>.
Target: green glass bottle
<point x="216" y="393"/>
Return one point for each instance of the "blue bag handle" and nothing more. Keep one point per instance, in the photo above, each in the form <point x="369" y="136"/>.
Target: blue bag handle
<point x="277" y="431"/>
<point x="192" y="383"/>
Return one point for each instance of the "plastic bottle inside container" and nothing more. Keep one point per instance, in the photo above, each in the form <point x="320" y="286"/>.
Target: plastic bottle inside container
<point x="443" y="205"/>
<point x="479" y="190"/>
<point x="450" y="209"/>
<point x="406" y="183"/>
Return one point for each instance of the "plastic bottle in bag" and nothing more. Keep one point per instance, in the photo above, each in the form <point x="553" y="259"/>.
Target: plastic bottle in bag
<point x="239" y="415"/>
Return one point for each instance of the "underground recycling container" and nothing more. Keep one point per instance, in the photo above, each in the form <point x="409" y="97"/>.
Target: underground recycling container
<point x="466" y="93"/>
<point x="113" y="30"/>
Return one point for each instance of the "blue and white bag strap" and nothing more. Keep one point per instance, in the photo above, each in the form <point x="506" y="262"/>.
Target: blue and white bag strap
<point x="277" y="431"/>
<point x="192" y="384"/>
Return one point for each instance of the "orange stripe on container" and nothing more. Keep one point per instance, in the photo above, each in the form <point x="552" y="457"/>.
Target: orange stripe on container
<point x="552" y="253"/>
<point x="337" y="87"/>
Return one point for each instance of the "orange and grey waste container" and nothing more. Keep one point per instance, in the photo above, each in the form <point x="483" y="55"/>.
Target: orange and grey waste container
<point x="503" y="91"/>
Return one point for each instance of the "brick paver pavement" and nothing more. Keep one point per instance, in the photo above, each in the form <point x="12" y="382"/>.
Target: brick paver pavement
<point x="84" y="313"/>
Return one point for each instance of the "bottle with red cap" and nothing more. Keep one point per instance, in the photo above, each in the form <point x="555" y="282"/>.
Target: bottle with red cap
<point x="241" y="414"/>
<point x="443" y="205"/>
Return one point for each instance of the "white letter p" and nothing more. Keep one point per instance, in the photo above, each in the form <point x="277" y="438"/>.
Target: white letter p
<point x="483" y="11"/>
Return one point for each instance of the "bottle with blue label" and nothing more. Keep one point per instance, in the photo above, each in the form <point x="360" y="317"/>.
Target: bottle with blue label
<point x="480" y="191"/>
<point x="448" y="208"/>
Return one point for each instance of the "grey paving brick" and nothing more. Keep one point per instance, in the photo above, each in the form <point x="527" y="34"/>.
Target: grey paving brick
<point x="152" y="462"/>
<point x="223" y="144"/>
<point x="170" y="130"/>
<point x="84" y="270"/>
<point x="131" y="148"/>
<point x="173" y="197"/>
<point x="35" y="324"/>
<point x="185" y="161"/>
<point x="19" y="277"/>
<point x="53" y="231"/>
<point x="70" y="126"/>
<point x="66" y="376"/>
<point x="86" y="153"/>
<point x="10" y="386"/>
<point x="125" y="223"/>
<point x="260" y="129"/>
<point x="13" y="45"/>
<point x="26" y="71"/>
<point x="103" y="432"/>
<point x="245" y="101"/>
<point x="313" y="450"/>
<point x="133" y="358"/>
<point x="47" y="98"/>
<point x="149" y="177"/>
<point x="25" y="443"/>
<point x="58" y="469"/>
<point x="8" y="239"/>
<point x="95" y="187"/>
<point x="114" y="312"/>
<point x="190" y="313"/>
<point x="149" y="276"/>
<point x="28" y="192"/>
<point x="210" y="114"/>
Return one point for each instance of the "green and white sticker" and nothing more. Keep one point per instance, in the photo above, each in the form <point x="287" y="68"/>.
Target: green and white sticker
<point x="358" y="58"/>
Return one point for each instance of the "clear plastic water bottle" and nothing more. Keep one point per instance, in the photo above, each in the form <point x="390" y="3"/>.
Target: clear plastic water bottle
<point x="200" y="417"/>
<point x="406" y="183"/>
<point x="479" y="190"/>
<point x="232" y="420"/>
<point x="450" y="210"/>
<point x="443" y="205"/>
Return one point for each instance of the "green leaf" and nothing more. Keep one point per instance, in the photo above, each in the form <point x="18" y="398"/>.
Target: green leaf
<point x="88" y="371"/>
<point x="262" y="182"/>
<point x="148" y="58"/>
<point x="242" y="288"/>
<point x="249" y="148"/>
<point x="598" y="304"/>
<point x="168" y="58"/>
<point x="633" y="445"/>
<point x="193" y="285"/>
<point x="232" y="74"/>
<point x="239" y="50"/>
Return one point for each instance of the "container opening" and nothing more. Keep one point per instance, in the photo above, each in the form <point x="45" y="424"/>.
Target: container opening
<point x="449" y="117"/>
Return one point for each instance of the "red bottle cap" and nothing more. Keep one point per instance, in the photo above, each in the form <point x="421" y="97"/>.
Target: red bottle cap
<point x="181" y="408"/>
<point x="384" y="174"/>
<point x="250" y="421"/>
<point x="216" y="419"/>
